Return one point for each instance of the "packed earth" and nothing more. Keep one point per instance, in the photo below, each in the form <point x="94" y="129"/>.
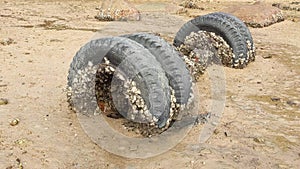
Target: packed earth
<point x="259" y="105"/>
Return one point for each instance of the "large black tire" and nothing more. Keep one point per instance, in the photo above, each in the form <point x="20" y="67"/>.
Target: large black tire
<point x="242" y="27"/>
<point x="170" y="60"/>
<point x="221" y="27"/>
<point x="132" y="59"/>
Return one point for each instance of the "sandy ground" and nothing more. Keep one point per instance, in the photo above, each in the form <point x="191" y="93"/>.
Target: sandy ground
<point x="261" y="118"/>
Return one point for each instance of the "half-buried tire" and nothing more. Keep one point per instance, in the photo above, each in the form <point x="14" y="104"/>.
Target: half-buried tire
<point x="222" y="27"/>
<point x="170" y="60"/>
<point x="242" y="27"/>
<point x="132" y="59"/>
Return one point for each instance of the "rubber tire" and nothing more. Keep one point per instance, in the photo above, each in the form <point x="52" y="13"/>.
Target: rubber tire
<point x="221" y="27"/>
<point x="135" y="59"/>
<point x="242" y="27"/>
<point x="170" y="60"/>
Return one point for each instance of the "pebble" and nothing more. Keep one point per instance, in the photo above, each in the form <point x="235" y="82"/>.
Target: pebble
<point x="227" y="134"/>
<point x="259" y="140"/>
<point x="19" y="163"/>
<point x="214" y="123"/>
<point x="14" y="122"/>
<point x="269" y="56"/>
<point x="216" y="131"/>
<point x="21" y="141"/>
<point x="205" y="151"/>
<point x="236" y="158"/>
<point x="275" y="99"/>
<point x="6" y="41"/>
<point x="3" y="101"/>
<point x="292" y="103"/>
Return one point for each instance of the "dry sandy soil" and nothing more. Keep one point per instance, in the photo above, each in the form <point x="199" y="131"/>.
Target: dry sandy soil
<point x="259" y="128"/>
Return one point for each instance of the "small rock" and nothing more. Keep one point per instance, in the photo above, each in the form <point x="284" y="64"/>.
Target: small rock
<point x="227" y="134"/>
<point x="22" y="141"/>
<point x="269" y="56"/>
<point x="19" y="163"/>
<point x="14" y="122"/>
<point x="259" y="140"/>
<point x="55" y="40"/>
<point x="292" y="103"/>
<point x="18" y="160"/>
<point x="275" y="99"/>
<point x="216" y="131"/>
<point x="205" y="151"/>
<point x="6" y="41"/>
<point x="214" y="123"/>
<point x="3" y="101"/>
<point x="236" y="158"/>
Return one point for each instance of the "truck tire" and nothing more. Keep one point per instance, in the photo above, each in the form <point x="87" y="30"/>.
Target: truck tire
<point x="221" y="27"/>
<point x="242" y="27"/>
<point x="134" y="60"/>
<point x="170" y="60"/>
